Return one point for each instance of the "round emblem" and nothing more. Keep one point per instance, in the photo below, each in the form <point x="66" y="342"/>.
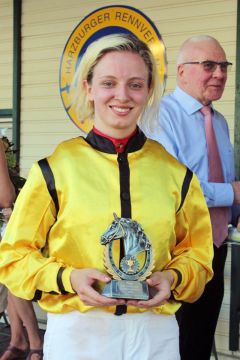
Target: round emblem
<point x="129" y="264"/>
<point x="129" y="267"/>
<point x="101" y="22"/>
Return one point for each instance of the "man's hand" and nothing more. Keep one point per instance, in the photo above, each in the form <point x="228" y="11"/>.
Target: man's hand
<point x="160" y="285"/>
<point x="83" y="280"/>
<point x="238" y="224"/>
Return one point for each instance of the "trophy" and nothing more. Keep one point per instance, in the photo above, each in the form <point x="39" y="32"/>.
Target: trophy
<point x="135" y="266"/>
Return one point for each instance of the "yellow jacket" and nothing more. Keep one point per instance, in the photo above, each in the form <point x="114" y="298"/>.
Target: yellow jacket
<point x="92" y="183"/>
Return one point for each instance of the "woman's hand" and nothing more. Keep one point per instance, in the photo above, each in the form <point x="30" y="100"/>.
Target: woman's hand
<point x="7" y="212"/>
<point x="160" y="286"/>
<point x="83" y="281"/>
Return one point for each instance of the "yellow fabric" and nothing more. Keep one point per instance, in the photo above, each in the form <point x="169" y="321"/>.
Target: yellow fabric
<point x="87" y="183"/>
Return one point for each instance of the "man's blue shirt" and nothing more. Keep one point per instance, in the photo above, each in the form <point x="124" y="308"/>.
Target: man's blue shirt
<point x="181" y="131"/>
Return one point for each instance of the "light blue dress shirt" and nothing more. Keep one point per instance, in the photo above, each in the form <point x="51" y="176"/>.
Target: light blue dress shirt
<point x="181" y="131"/>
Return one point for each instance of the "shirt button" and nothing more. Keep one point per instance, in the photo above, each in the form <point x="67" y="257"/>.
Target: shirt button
<point x="125" y="195"/>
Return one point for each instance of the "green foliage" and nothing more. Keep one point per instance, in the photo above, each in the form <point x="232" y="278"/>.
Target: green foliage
<point x="13" y="165"/>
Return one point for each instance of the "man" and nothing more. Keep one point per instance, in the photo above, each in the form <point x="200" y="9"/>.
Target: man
<point x="201" y="76"/>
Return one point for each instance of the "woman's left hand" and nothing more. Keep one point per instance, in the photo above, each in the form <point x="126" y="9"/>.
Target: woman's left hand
<point x="160" y="285"/>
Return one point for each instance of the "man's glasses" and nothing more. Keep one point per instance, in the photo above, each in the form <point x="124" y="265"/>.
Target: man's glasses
<point x="210" y="66"/>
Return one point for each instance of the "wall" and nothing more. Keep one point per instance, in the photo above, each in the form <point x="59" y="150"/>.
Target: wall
<point x="6" y="63"/>
<point x="6" y="53"/>
<point x="46" y="28"/>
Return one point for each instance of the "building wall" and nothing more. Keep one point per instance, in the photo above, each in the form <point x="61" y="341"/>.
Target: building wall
<point x="6" y="63"/>
<point x="6" y="52"/>
<point x="46" y="26"/>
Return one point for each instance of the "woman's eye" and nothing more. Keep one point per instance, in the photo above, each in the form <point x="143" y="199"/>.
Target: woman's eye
<point x="136" y="86"/>
<point x="108" y="84"/>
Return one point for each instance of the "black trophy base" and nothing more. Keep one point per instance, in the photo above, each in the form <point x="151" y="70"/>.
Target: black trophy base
<point x="125" y="289"/>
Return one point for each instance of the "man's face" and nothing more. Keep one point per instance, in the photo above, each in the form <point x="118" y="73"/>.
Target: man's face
<point x="205" y="86"/>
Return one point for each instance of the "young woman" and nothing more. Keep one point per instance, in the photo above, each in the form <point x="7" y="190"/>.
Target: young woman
<point x="114" y="170"/>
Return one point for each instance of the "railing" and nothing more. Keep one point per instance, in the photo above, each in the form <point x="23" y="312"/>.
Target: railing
<point x="234" y="241"/>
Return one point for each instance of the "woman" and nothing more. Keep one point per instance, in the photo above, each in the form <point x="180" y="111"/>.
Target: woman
<point x="20" y="312"/>
<point x="114" y="170"/>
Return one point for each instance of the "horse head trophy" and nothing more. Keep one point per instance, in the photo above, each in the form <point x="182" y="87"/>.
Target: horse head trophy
<point x="130" y="272"/>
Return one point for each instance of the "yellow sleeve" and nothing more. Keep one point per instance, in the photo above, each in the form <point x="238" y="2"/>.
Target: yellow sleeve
<point x="193" y="253"/>
<point x="23" y="268"/>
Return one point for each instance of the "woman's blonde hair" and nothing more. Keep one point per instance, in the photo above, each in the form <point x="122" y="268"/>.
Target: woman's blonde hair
<point x="117" y="42"/>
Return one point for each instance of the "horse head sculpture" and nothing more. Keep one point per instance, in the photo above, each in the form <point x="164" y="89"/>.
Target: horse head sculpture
<point x="135" y="240"/>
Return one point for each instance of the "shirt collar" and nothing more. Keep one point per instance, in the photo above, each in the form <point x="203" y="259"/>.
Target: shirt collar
<point x="104" y="144"/>
<point x="187" y="102"/>
<point x="119" y="144"/>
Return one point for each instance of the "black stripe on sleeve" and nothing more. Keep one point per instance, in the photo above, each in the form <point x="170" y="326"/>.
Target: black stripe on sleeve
<point x="37" y="296"/>
<point x="59" y="281"/>
<point x="185" y="187"/>
<point x="50" y="181"/>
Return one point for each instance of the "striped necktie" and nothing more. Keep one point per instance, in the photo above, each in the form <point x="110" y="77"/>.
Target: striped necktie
<point x="219" y="215"/>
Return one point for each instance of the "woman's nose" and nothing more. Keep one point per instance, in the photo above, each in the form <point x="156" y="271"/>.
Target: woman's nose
<point x="122" y="93"/>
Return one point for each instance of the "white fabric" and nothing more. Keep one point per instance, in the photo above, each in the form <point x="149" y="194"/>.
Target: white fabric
<point x="2" y="230"/>
<point x="100" y="335"/>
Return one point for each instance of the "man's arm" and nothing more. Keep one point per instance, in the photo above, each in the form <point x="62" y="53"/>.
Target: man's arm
<point x="216" y="194"/>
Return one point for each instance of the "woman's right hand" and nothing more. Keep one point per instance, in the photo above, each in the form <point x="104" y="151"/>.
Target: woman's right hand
<point x="83" y="280"/>
<point x="7" y="212"/>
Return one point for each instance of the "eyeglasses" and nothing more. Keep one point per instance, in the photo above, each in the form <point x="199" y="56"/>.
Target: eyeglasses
<point x="210" y="66"/>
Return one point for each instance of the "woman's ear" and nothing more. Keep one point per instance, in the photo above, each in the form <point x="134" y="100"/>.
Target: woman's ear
<point x="88" y="89"/>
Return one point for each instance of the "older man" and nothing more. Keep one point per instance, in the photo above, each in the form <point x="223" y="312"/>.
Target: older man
<point x="195" y="133"/>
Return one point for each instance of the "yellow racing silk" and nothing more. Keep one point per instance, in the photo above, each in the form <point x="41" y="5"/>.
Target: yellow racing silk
<point x="92" y="183"/>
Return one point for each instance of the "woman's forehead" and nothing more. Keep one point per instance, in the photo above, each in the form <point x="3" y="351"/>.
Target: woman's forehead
<point x="121" y="62"/>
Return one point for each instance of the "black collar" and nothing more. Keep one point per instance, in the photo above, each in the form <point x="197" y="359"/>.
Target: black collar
<point x="103" y="144"/>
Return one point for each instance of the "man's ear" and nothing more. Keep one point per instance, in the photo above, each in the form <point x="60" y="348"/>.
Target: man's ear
<point x="88" y="89"/>
<point x="180" y="70"/>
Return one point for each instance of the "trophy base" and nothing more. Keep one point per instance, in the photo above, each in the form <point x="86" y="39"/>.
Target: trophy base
<point x="125" y="289"/>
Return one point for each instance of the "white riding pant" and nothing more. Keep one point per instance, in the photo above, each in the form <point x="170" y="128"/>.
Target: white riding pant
<point x="99" y="335"/>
